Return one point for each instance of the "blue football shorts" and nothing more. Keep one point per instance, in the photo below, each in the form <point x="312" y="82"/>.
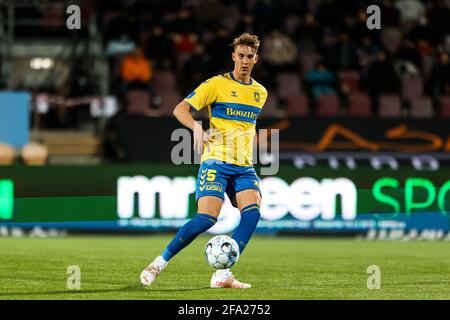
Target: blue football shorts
<point x="215" y="178"/>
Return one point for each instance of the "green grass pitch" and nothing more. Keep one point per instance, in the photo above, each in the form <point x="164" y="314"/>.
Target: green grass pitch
<point x="277" y="267"/>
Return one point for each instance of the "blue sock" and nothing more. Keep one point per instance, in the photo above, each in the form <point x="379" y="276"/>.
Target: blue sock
<point x="249" y="219"/>
<point x="198" y="224"/>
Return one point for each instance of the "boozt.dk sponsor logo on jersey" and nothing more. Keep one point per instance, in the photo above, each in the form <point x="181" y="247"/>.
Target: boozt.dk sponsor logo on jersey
<point x="240" y="113"/>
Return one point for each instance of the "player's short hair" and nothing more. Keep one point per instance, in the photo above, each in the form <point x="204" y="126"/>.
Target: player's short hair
<point x="246" y="39"/>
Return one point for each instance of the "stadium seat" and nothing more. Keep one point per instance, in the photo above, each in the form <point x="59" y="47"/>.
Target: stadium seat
<point x="164" y="82"/>
<point x="328" y="106"/>
<point x="138" y="101"/>
<point x="297" y="105"/>
<point x="390" y="106"/>
<point x="270" y="108"/>
<point x="288" y="84"/>
<point x="359" y="105"/>
<point x="445" y="107"/>
<point x="7" y="154"/>
<point x="351" y="79"/>
<point x="412" y="88"/>
<point x="167" y="102"/>
<point x="422" y="108"/>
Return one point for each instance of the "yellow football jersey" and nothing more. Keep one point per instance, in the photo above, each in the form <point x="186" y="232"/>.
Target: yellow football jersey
<point x="233" y="109"/>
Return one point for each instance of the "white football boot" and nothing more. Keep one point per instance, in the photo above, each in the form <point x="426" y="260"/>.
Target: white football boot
<point x="225" y="279"/>
<point x="156" y="267"/>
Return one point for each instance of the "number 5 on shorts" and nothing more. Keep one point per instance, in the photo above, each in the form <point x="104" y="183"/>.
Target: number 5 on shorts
<point x="211" y="175"/>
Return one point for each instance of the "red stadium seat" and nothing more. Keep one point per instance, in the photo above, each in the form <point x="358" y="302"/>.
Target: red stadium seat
<point x="138" y="101"/>
<point x="167" y="102"/>
<point x="359" y="105"/>
<point x="288" y="84"/>
<point x="422" y="108"/>
<point x="270" y="108"/>
<point x="328" y="106"/>
<point x="351" y="79"/>
<point x="164" y="82"/>
<point x="412" y="87"/>
<point x="297" y="105"/>
<point x="390" y="106"/>
<point x="445" y="107"/>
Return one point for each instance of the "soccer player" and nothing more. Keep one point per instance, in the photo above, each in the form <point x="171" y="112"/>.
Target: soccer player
<point x="234" y="101"/>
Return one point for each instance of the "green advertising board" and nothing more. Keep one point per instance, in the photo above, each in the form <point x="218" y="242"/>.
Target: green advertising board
<point x="161" y="197"/>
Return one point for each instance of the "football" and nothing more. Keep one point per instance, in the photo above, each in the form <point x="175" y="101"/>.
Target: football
<point x="222" y="252"/>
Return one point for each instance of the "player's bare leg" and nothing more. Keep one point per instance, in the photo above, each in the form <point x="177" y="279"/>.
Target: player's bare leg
<point x="247" y="197"/>
<point x="207" y="204"/>
<point x="224" y="278"/>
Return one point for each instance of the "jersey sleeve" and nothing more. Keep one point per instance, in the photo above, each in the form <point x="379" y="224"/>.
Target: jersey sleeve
<point x="204" y="95"/>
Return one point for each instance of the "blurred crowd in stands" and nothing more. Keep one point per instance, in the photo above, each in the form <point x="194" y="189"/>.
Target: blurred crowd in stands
<point x="317" y="56"/>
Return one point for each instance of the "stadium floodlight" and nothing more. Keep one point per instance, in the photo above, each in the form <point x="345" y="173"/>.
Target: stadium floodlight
<point x="41" y="63"/>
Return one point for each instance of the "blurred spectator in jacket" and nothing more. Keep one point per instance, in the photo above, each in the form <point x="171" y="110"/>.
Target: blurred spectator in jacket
<point x="439" y="17"/>
<point x="185" y="36"/>
<point x="159" y="49"/>
<point x="343" y="54"/>
<point x="390" y="15"/>
<point x="410" y="11"/>
<point x="195" y="70"/>
<point x="307" y="33"/>
<point x="439" y="82"/>
<point x="136" y="70"/>
<point x="219" y="51"/>
<point x="359" y="30"/>
<point x="246" y="24"/>
<point x="279" y="53"/>
<point x="320" y="81"/>
<point x="381" y="79"/>
<point x="267" y="16"/>
<point x="407" y="58"/>
<point x="184" y="22"/>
